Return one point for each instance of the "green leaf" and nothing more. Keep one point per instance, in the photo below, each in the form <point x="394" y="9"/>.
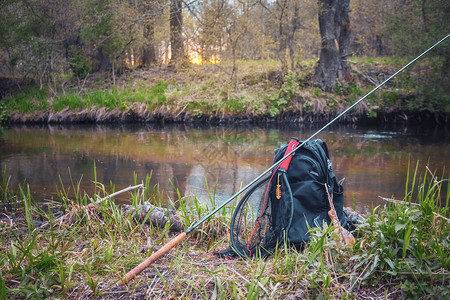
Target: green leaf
<point x="400" y="226"/>
<point x="375" y="263"/>
<point x="407" y="239"/>
<point x="328" y="281"/>
<point x="389" y="262"/>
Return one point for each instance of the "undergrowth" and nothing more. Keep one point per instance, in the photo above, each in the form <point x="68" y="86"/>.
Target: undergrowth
<point x="71" y="249"/>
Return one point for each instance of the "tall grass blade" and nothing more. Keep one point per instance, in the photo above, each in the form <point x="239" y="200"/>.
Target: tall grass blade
<point x="407" y="239"/>
<point x="447" y="198"/>
<point x="2" y="288"/>
<point x="413" y="182"/>
<point x="26" y="200"/>
<point x="4" y="188"/>
<point x="407" y="179"/>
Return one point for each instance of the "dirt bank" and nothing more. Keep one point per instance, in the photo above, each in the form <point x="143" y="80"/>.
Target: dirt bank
<point x="141" y="115"/>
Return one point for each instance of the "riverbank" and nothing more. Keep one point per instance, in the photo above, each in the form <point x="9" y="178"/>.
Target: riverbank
<point x="205" y="94"/>
<point x="139" y="114"/>
<point x="401" y="252"/>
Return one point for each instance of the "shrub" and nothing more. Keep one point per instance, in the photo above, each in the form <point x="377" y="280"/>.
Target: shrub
<point x="79" y="65"/>
<point x="4" y="114"/>
<point x="235" y="105"/>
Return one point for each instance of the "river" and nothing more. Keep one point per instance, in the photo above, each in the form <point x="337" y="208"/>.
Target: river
<point x="373" y="160"/>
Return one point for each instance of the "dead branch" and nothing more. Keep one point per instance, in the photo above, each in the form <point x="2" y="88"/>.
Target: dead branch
<point x="344" y="235"/>
<point x="89" y="209"/>
<point x="398" y="201"/>
<point x="129" y="188"/>
<point x="441" y="216"/>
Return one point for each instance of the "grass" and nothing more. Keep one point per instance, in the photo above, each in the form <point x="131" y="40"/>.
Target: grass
<point x="402" y="250"/>
<point x="112" y="98"/>
<point x="30" y="99"/>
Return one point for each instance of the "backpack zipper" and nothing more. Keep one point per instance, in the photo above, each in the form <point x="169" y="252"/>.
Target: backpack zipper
<point x="319" y="159"/>
<point x="314" y="164"/>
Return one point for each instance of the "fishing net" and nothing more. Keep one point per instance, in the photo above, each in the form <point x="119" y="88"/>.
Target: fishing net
<point x="261" y="217"/>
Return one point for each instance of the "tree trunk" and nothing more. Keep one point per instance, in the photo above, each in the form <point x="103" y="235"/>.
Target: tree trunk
<point x="335" y="32"/>
<point x="282" y="38"/>
<point x="295" y="24"/>
<point x="176" y="39"/>
<point x="148" y="50"/>
<point x="103" y="60"/>
<point x="380" y="48"/>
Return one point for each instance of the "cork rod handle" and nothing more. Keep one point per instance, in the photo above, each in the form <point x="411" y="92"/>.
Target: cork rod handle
<point x="139" y="268"/>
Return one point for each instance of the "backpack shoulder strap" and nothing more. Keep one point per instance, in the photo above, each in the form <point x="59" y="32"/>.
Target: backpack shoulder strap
<point x="326" y="162"/>
<point x="324" y="147"/>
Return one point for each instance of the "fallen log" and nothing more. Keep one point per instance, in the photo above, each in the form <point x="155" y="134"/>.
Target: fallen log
<point x="151" y="214"/>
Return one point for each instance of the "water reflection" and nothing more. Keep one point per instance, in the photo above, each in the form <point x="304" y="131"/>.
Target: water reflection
<point x="372" y="160"/>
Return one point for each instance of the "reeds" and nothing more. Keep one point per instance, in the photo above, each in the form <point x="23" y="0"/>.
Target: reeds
<point x="402" y="250"/>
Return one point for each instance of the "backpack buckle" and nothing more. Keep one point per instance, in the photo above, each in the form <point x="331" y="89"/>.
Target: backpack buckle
<point x="330" y="165"/>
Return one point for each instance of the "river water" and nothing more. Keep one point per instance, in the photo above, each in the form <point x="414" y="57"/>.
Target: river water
<point x="373" y="160"/>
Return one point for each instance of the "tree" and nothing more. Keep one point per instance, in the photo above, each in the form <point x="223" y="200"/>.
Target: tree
<point x="368" y="18"/>
<point x="225" y="31"/>
<point x="288" y="23"/>
<point x="334" y="24"/>
<point x="205" y="30"/>
<point x="285" y="17"/>
<point x="150" y="12"/>
<point x="148" y="51"/>
<point x="36" y="36"/>
<point x="294" y="26"/>
<point x="235" y="24"/>
<point x="176" y="24"/>
<point x="415" y="26"/>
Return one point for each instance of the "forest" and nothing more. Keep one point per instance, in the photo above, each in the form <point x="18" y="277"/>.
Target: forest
<point x="253" y="57"/>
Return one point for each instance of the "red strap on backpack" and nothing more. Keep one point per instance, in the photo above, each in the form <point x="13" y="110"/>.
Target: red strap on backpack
<point x="292" y="145"/>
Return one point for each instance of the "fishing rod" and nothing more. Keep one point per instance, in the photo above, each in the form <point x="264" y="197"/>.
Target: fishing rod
<point x="176" y="240"/>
